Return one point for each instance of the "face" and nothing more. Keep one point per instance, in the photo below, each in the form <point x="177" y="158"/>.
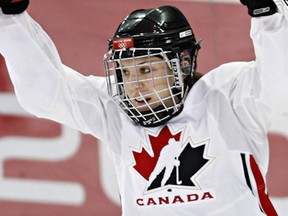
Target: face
<point x="148" y="82"/>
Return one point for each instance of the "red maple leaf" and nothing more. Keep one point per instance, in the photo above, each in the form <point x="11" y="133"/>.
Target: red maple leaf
<point x="145" y="164"/>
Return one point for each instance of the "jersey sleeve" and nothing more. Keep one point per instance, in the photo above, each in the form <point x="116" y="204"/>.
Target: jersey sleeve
<point x="43" y="85"/>
<point x="269" y="35"/>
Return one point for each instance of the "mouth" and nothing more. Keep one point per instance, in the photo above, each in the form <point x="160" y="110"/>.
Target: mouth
<point x="140" y="101"/>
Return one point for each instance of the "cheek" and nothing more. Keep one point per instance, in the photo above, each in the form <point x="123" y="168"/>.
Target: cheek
<point x="128" y="88"/>
<point x="128" y="91"/>
<point x="164" y="83"/>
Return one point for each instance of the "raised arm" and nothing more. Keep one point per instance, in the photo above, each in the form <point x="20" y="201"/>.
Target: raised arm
<point x="43" y="86"/>
<point x="269" y="34"/>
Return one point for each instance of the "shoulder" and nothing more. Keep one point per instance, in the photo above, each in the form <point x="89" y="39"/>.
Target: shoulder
<point x="222" y="80"/>
<point x="227" y="72"/>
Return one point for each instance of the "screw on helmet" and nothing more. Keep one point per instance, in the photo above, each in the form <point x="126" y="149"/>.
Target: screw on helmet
<point x="162" y="32"/>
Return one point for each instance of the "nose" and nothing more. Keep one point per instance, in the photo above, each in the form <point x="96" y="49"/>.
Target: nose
<point x="135" y="82"/>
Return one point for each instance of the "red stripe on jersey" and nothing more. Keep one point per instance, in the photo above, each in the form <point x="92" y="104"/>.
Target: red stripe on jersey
<point x="265" y="202"/>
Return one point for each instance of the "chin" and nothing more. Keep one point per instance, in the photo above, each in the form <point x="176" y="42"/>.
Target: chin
<point x="142" y="107"/>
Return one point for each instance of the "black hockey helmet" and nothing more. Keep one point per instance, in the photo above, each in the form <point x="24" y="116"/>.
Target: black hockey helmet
<point x="163" y="32"/>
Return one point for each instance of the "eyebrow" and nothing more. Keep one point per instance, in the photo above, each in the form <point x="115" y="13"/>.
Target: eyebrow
<point x="144" y="62"/>
<point x="140" y="63"/>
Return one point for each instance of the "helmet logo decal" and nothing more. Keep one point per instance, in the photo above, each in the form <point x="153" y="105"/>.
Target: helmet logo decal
<point x="177" y="72"/>
<point x="123" y="43"/>
<point x="185" y="34"/>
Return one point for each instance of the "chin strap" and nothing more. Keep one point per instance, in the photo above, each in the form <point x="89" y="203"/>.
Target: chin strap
<point x="162" y="116"/>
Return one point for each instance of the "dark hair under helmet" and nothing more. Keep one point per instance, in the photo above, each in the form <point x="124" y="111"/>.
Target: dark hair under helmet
<point x="162" y="32"/>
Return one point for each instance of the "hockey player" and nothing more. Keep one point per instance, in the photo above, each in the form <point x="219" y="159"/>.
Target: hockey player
<point x="219" y="122"/>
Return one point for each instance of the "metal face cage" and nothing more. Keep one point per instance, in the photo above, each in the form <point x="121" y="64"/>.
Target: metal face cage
<point x="145" y="83"/>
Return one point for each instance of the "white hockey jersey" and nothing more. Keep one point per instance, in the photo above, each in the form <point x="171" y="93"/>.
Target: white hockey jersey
<point x="209" y="160"/>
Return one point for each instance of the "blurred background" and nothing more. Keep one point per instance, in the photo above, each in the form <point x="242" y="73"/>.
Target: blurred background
<point x="50" y="170"/>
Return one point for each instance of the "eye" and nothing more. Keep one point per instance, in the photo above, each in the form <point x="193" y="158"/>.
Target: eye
<point x="125" y="72"/>
<point x="145" y="70"/>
